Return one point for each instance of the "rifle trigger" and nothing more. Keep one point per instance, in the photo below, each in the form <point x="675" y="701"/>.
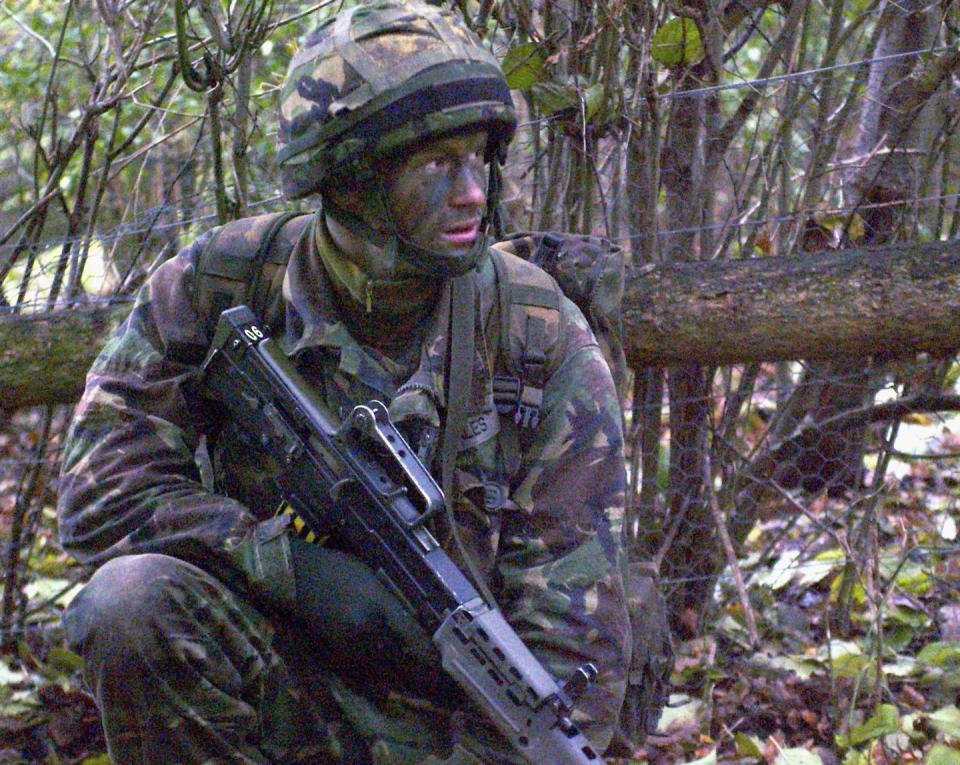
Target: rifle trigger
<point x="341" y="487"/>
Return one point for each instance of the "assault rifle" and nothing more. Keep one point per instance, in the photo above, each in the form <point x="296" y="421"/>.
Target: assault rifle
<point x="359" y="482"/>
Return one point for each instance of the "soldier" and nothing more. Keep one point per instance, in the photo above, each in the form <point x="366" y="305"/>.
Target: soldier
<point x="210" y="631"/>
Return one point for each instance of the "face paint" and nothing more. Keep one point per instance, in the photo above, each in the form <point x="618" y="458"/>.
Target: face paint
<point x="437" y="190"/>
<point x="436" y="197"/>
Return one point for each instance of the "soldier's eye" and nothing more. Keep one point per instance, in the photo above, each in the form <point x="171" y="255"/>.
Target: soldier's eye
<point x="434" y="164"/>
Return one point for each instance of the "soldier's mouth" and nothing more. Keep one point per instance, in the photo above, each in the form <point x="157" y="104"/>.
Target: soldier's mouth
<point x="462" y="233"/>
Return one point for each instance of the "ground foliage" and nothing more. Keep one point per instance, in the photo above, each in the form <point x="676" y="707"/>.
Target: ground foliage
<point x="874" y="679"/>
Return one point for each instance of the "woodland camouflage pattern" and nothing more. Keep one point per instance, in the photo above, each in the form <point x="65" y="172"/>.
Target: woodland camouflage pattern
<point x="590" y="271"/>
<point x="225" y="685"/>
<point x="379" y="78"/>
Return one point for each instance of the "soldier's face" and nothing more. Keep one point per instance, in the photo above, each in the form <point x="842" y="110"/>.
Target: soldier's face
<point x="437" y="194"/>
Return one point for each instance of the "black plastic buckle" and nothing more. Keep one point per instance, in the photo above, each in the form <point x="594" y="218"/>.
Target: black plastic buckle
<point x="506" y="393"/>
<point x="527" y="415"/>
<point x="548" y="249"/>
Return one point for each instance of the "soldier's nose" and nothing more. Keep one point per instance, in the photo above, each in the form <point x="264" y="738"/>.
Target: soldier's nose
<point x="467" y="191"/>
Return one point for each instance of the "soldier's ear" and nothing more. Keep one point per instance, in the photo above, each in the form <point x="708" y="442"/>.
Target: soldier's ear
<point x="365" y="201"/>
<point x="352" y="198"/>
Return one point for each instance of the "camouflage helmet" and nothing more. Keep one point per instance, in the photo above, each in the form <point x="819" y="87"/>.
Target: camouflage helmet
<point x="377" y="79"/>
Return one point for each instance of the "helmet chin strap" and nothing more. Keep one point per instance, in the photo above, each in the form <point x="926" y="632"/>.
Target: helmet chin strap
<point x="395" y="245"/>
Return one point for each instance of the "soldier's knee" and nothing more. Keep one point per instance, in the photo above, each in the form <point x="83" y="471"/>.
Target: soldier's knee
<point x="120" y="606"/>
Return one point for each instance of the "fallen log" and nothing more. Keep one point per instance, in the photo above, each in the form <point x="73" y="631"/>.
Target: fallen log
<point x="44" y="357"/>
<point x="888" y="302"/>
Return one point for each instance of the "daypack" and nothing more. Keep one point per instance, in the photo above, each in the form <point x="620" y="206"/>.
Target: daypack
<point x="589" y="271"/>
<point x="247" y="265"/>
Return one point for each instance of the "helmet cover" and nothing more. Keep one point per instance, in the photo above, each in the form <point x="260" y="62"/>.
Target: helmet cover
<point x="381" y="78"/>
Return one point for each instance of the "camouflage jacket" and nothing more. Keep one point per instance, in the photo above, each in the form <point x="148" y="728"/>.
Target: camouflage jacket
<point x="547" y="536"/>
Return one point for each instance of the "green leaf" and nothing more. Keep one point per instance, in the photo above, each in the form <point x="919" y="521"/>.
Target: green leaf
<point x="899" y="636"/>
<point x="97" y="759"/>
<point x="886" y="719"/>
<point x="802" y="666"/>
<point x="914" y="578"/>
<point x="846" y="658"/>
<point x="940" y="653"/>
<point x="947" y="721"/>
<point x="523" y="66"/>
<point x="798" y="756"/>
<point x="677" y="43"/>
<point x="819" y="567"/>
<point x="909" y="616"/>
<point x="552" y="97"/>
<point x="902" y="626"/>
<point x="44" y="588"/>
<point x="20" y="705"/>
<point x="780" y="575"/>
<point x="592" y="100"/>
<point x="858" y="595"/>
<point x="941" y="754"/>
<point x="748" y="746"/>
<point x="709" y="759"/>
<point x="904" y="666"/>
<point x="64" y="660"/>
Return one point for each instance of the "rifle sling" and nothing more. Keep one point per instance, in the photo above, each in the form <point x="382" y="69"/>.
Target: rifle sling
<point x="460" y="353"/>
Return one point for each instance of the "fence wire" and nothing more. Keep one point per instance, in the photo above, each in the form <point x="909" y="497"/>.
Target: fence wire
<point x="824" y="492"/>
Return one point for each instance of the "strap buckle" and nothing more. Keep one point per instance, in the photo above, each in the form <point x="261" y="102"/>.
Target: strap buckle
<point x="527" y="415"/>
<point x="506" y="393"/>
<point x="513" y="397"/>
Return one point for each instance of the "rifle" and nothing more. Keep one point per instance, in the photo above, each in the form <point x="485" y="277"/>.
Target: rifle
<point x="361" y="483"/>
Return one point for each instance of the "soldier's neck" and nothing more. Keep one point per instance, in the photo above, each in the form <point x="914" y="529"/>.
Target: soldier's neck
<point x="385" y="302"/>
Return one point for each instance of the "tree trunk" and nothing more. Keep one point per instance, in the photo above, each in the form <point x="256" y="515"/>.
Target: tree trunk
<point x="884" y="175"/>
<point x="686" y="205"/>
<point x="44" y="357"/>
<point x="888" y="302"/>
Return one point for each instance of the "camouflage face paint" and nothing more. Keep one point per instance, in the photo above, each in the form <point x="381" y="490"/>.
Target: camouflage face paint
<point x="436" y="197"/>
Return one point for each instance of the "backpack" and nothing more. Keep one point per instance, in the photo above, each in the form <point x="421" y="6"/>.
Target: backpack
<point x="247" y="265"/>
<point x="589" y="271"/>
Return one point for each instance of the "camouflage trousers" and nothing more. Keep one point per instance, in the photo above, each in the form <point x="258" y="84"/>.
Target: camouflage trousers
<point x="186" y="671"/>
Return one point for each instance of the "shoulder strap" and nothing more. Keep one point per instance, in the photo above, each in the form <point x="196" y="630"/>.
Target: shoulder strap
<point x="240" y="265"/>
<point x="529" y="303"/>
<point x="262" y="275"/>
<point x="459" y="385"/>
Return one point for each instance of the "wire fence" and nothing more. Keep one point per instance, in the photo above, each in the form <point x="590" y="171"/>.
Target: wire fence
<point x="828" y="486"/>
<point x="888" y="466"/>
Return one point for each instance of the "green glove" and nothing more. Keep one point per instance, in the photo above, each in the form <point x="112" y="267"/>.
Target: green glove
<point x="363" y="628"/>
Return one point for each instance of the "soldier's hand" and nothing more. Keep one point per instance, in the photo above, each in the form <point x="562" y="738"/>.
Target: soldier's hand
<point x="355" y="620"/>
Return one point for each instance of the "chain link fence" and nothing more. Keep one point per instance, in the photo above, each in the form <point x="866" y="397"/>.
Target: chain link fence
<point x="802" y="514"/>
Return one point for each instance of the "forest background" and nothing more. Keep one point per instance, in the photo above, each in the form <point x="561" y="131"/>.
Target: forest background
<point x="782" y="178"/>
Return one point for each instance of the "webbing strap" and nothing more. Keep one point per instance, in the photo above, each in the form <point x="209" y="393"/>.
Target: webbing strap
<point x="445" y="32"/>
<point x="534" y="357"/>
<point x="353" y="54"/>
<point x="459" y="390"/>
<point x="510" y="386"/>
<point x="255" y="293"/>
<point x="505" y="299"/>
<point x="230" y="272"/>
